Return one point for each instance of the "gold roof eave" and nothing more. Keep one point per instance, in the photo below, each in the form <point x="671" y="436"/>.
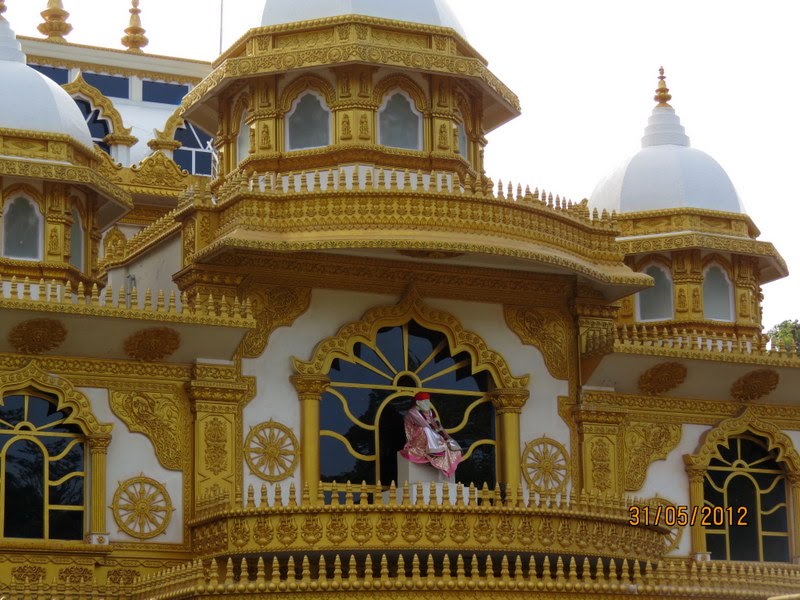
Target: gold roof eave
<point x="260" y="52"/>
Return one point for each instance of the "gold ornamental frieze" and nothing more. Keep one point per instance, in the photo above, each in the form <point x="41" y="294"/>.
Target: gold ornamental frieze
<point x="36" y="336"/>
<point x="469" y="521"/>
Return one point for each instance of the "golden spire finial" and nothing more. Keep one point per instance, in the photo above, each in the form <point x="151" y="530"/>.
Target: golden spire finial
<point x="662" y="92"/>
<point x="3" y="8"/>
<point x="55" y="25"/>
<point x="135" y="39"/>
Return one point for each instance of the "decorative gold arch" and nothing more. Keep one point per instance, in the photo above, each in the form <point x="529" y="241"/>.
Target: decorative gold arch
<point x="303" y="83"/>
<point x="411" y="306"/>
<point x="23" y="189"/>
<point x="698" y="463"/>
<point x="31" y="376"/>
<point x="747" y="422"/>
<point x="408" y="85"/>
<point x="657" y="259"/>
<point x="719" y="260"/>
<point x="242" y="105"/>
<point x="120" y="133"/>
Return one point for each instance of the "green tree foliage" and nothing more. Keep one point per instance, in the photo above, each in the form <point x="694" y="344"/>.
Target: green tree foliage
<point x="786" y="334"/>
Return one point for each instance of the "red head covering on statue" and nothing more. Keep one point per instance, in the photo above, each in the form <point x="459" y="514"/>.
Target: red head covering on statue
<point x="422" y="396"/>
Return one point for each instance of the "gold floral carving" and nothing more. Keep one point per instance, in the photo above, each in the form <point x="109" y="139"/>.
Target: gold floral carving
<point x="158" y="170"/>
<point x="154" y="343"/>
<point x="662" y="378"/>
<point x="546" y="329"/>
<point x="754" y="385"/>
<point x="273" y="307"/>
<point x="216" y="452"/>
<point x="28" y="574"/>
<point x="272" y="451"/>
<point x="161" y="417"/>
<point x="600" y="454"/>
<point x="545" y="466"/>
<point x="411" y="307"/>
<point x="75" y="575"/>
<point x="142" y="507"/>
<point x="123" y="576"/>
<point x="645" y="443"/>
<point x="37" y="335"/>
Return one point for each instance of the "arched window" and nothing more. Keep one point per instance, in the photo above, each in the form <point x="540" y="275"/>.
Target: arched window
<point x="22" y="230"/>
<point x="42" y="470"/>
<point x="98" y="127"/>
<point x="361" y="414"/>
<point x="76" y="241"/>
<point x="655" y="303"/>
<point x="745" y="500"/>
<point x="399" y="123"/>
<point x="309" y="123"/>
<point x="195" y="152"/>
<point x="243" y="139"/>
<point x="717" y="295"/>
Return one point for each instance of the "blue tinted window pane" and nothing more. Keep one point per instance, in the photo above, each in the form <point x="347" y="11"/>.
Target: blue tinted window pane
<point x="183" y="158"/>
<point x="60" y="76"/>
<point x="24" y="498"/>
<point x="202" y="163"/>
<point x="166" y="93"/>
<point x="110" y="85"/>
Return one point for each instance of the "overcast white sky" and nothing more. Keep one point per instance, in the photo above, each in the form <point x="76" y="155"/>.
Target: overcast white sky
<point x="585" y="72"/>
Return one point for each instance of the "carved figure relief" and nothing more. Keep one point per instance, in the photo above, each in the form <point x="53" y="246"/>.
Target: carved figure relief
<point x="114" y="244"/>
<point x="444" y="141"/>
<point x="645" y="443"/>
<point x="696" y="305"/>
<point x="142" y="507"/>
<point x="545" y="466"/>
<point x="347" y="132"/>
<point x="266" y="138"/>
<point x="271" y="451"/>
<point x="53" y="247"/>
<point x="754" y="385"/>
<point x="682" y="305"/>
<point x="363" y="128"/>
<point x="661" y="378"/>
<point x="161" y="418"/>
<point x="36" y="336"/>
<point x="216" y="452"/>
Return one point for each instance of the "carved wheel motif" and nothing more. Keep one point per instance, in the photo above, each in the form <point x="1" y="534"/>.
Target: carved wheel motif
<point x="271" y="451"/>
<point x="545" y="466"/>
<point x="142" y="507"/>
<point x="675" y="533"/>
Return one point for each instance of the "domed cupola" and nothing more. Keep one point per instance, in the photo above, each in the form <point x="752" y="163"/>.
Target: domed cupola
<point x="426" y="12"/>
<point x="47" y="108"/>
<point x="667" y="173"/>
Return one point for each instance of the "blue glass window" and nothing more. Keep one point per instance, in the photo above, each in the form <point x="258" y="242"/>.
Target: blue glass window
<point x="165" y="93"/>
<point x="110" y="85"/>
<point x="60" y="76"/>
<point x="98" y="127"/>
<point x="195" y="152"/>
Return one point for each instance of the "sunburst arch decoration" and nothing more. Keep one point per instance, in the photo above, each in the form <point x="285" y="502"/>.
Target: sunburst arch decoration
<point x="142" y="507"/>
<point x="271" y="451"/>
<point x="545" y="466"/>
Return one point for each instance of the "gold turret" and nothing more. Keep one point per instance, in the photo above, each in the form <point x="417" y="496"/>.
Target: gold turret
<point x="662" y="91"/>
<point x="55" y="25"/>
<point x="135" y="39"/>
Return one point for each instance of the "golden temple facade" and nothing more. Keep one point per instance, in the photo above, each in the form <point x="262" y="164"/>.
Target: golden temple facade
<point x="222" y="284"/>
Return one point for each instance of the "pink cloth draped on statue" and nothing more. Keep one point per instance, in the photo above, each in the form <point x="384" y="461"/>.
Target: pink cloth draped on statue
<point x="428" y="442"/>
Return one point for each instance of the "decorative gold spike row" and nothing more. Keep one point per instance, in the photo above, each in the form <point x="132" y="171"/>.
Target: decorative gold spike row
<point x="55" y="297"/>
<point x="426" y="576"/>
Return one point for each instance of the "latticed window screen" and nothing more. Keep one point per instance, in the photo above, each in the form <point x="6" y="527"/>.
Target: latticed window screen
<point x="745" y="492"/>
<point x="42" y="470"/>
<point x="370" y="392"/>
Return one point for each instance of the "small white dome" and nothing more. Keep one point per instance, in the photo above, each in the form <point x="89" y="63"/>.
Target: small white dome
<point x="46" y="108"/>
<point x="666" y="172"/>
<point x="427" y="12"/>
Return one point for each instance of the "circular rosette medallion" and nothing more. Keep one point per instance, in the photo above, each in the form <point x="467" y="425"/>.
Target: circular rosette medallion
<point x="676" y="531"/>
<point x="545" y="466"/>
<point x="142" y="507"/>
<point x="271" y="451"/>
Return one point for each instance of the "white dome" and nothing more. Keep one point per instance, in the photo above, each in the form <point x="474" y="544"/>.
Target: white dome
<point x="427" y="12"/>
<point x="46" y="108"/>
<point x="666" y="172"/>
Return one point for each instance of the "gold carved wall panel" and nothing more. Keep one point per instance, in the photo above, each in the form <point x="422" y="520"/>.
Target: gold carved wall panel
<point x="645" y="443"/>
<point x="549" y="330"/>
<point x="273" y="307"/>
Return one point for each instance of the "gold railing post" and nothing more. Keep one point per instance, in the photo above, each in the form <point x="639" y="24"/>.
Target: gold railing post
<point x="98" y="449"/>
<point x="508" y="403"/>
<point x="309" y="391"/>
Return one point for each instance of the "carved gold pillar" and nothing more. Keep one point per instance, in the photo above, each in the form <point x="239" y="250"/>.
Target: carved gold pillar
<point x="600" y="442"/>
<point x="794" y="516"/>
<point x="696" y="475"/>
<point x="508" y="404"/>
<point x="309" y="390"/>
<point x="98" y="449"/>
<point x="217" y="393"/>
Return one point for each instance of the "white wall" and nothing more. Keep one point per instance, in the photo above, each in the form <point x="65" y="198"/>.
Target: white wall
<point x="153" y="270"/>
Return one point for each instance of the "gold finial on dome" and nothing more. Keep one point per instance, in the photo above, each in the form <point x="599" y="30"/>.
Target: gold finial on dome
<point x="662" y="92"/>
<point x="55" y="25"/>
<point x="135" y="39"/>
<point x="3" y="8"/>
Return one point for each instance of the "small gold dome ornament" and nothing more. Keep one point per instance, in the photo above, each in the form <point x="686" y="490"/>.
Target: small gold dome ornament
<point x="55" y="25"/>
<point x="3" y="6"/>
<point x="662" y="91"/>
<point x="134" y="39"/>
